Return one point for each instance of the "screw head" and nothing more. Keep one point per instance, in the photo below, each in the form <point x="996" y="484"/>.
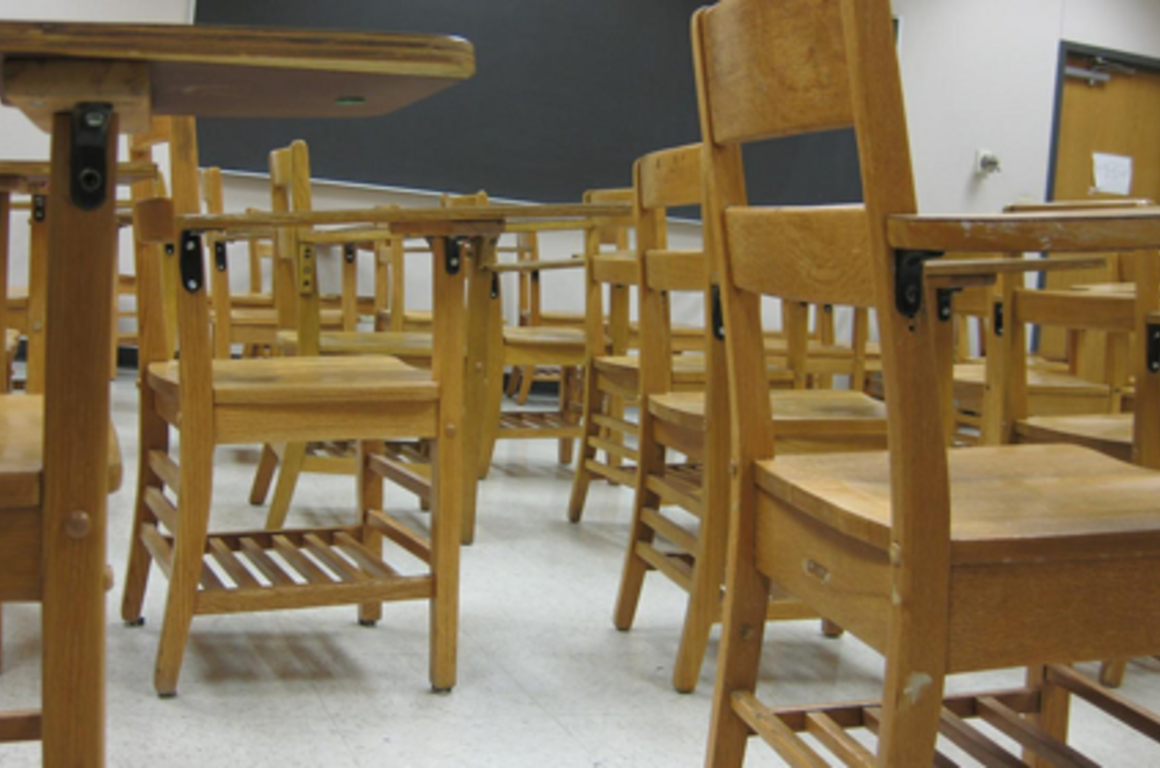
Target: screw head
<point x="94" y="119"/>
<point x="191" y="285"/>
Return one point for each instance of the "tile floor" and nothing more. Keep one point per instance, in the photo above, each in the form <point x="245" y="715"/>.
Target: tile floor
<point x="545" y="679"/>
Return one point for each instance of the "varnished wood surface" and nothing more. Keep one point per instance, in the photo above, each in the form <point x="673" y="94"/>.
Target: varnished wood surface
<point x="304" y="379"/>
<point x="500" y="214"/>
<point x="407" y="344"/>
<point x="1127" y="229"/>
<point x="246" y="72"/>
<point x="22" y="451"/>
<point x="25" y="176"/>
<point x="532" y="335"/>
<point x="796" y="413"/>
<point x="1020" y="502"/>
<point x="1109" y="433"/>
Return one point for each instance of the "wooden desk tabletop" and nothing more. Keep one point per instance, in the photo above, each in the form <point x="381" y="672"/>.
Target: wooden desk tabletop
<point x="26" y="176"/>
<point x="239" y="71"/>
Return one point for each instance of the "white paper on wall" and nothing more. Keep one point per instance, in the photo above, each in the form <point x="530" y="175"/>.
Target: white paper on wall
<point x="1113" y="173"/>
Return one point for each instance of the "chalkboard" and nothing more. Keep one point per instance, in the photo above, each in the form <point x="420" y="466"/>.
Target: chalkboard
<point x="566" y="95"/>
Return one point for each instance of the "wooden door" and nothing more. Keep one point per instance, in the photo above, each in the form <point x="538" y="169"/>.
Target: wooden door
<point x="1120" y="116"/>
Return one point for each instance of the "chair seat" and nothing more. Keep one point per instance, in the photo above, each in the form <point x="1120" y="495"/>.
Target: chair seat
<point x="1040" y="381"/>
<point x="306" y="379"/>
<point x="798" y="413"/>
<point x="22" y="452"/>
<point x="1109" y="433"/>
<point x="405" y="344"/>
<point x="543" y="335"/>
<point x="411" y="317"/>
<point x="268" y="317"/>
<point x="687" y="369"/>
<point x="1013" y="503"/>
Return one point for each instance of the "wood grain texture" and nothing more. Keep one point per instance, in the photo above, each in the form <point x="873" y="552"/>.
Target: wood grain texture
<point x="286" y="73"/>
<point x="813" y="255"/>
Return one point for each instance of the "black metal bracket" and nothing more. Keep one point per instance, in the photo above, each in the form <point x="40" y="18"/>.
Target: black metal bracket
<point x="169" y="249"/>
<point x="219" y="256"/>
<point x="453" y="254"/>
<point x="997" y="319"/>
<point x="349" y="251"/>
<point x="945" y="300"/>
<point x="908" y="287"/>
<point x="495" y="285"/>
<point x="1153" y="350"/>
<point x="88" y="171"/>
<point x="191" y="266"/>
<point x="718" y="314"/>
<point x="39" y="207"/>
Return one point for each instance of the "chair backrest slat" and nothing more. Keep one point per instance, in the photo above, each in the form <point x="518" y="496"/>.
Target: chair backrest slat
<point x="791" y="48"/>
<point x="671" y="177"/>
<point x="676" y="270"/>
<point x="1114" y="313"/>
<point x="816" y="255"/>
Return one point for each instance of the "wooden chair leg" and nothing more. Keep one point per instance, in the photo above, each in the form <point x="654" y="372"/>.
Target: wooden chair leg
<point x="1112" y="672"/>
<point x="514" y="381"/>
<point x="1054" y="710"/>
<point x="912" y="698"/>
<point x="527" y="379"/>
<point x="185" y="573"/>
<point x="708" y="570"/>
<point x="582" y="477"/>
<point x="652" y="459"/>
<point x="267" y="464"/>
<point x="567" y="386"/>
<point x="154" y="437"/>
<point x="370" y="490"/>
<point x="737" y="663"/>
<point x="292" y="459"/>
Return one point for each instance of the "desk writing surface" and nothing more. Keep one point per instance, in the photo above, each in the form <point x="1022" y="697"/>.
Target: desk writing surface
<point x="247" y="72"/>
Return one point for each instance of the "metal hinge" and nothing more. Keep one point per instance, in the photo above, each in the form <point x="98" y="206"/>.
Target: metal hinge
<point x="39" y="207"/>
<point x="453" y="254"/>
<point x="348" y="252"/>
<point x="908" y="286"/>
<point x="191" y="267"/>
<point x="219" y="256"/>
<point x="306" y="270"/>
<point x="495" y="285"/>
<point x="718" y="314"/>
<point x="1153" y="351"/>
<point x="88" y="156"/>
<point x="945" y="299"/>
<point x="997" y="319"/>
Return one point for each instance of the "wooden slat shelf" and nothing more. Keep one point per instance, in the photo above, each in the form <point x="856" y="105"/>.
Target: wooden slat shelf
<point x="294" y="568"/>
<point x="1007" y="712"/>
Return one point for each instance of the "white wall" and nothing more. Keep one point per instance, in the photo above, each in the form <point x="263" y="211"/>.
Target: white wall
<point x="981" y="74"/>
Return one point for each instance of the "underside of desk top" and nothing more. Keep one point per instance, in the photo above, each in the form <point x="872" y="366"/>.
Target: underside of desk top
<point x="247" y="72"/>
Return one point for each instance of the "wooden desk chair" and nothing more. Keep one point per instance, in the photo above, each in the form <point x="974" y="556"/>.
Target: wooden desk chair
<point x="216" y="401"/>
<point x="531" y="296"/>
<point x="1131" y="436"/>
<point x="560" y="348"/>
<point x="944" y="561"/>
<point x="290" y="167"/>
<point x="669" y="495"/>
<point x="250" y="319"/>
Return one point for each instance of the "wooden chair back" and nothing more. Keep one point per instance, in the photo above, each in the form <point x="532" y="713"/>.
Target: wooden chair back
<point x="665" y="179"/>
<point x="770" y="70"/>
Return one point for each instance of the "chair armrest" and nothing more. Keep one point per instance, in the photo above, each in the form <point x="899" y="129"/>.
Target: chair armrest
<point x="615" y="267"/>
<point x="539" y="265"/>
<point x="1087" y="230"/>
